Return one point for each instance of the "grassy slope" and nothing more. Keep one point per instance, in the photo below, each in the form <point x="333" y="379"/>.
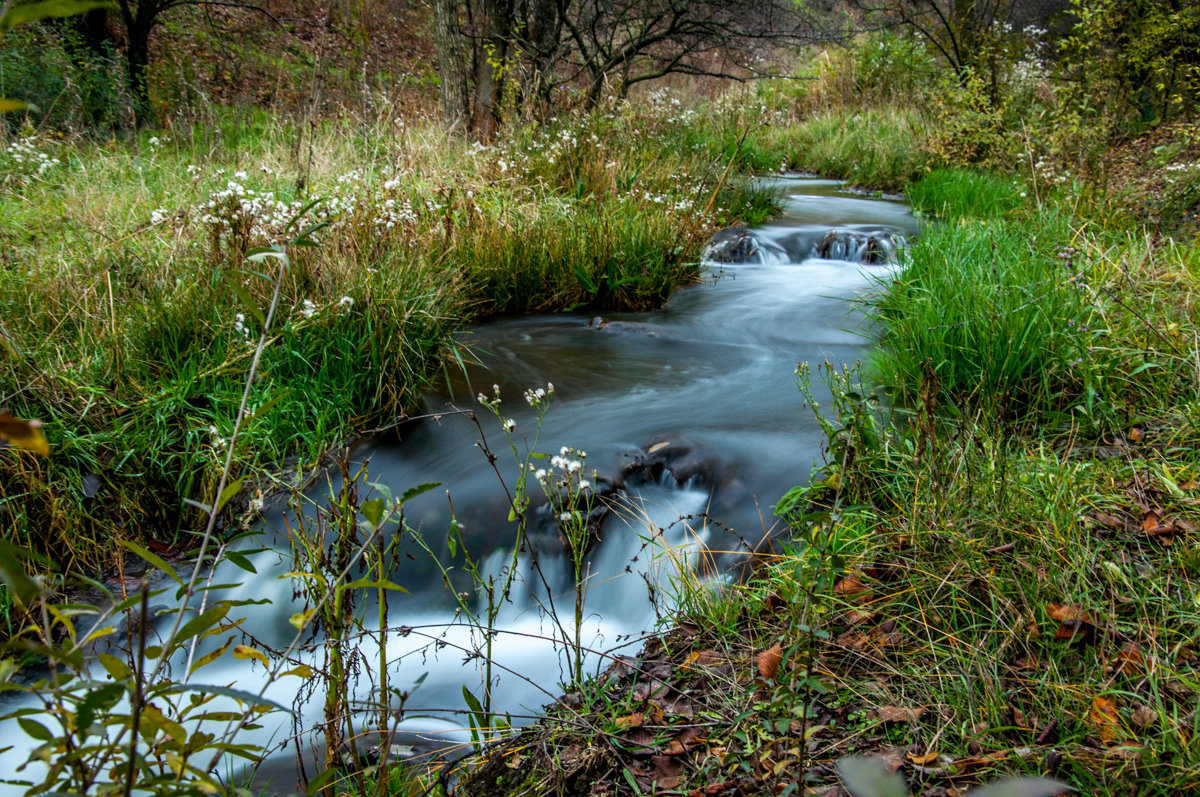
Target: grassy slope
<point x="996" y="576"/>
<point x="127" y="307"/>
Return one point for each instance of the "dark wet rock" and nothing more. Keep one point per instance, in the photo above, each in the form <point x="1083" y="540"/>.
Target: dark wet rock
<point x="624" y="327"/>
<point x="686" y="460"/>
<point x="854" y="246"/>
<point x="739" y="245"/>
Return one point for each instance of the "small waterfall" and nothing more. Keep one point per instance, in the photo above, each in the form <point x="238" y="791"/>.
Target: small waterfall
<point x="708" y="381"/>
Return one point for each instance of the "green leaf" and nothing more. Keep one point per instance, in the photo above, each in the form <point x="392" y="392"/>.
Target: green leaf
<point x="241" y="560"/>
<point x="229" y="492"/>
<point x="240" y="695"/>
<point x="30" y="12"/>
<point x="97" y="700"/>
<point x="12" y="573"/>
<point x="260" y="257"/>
<point x="473" y="703"/>
<point x="231" y="277"/>
<point x="152" y="558"/>
<point x="205" y="508"/>
<point x="269" y="404"/>
<point x="312" y="203"/>
<point x="116" y="668"/>
<point x="363" y="583"/>
<point x="35" y="730"/>
<point x="321" y="781"/>
<point x="373" y="511"/>
<point x="202" y="622"/>
<point x="413" y="492"/>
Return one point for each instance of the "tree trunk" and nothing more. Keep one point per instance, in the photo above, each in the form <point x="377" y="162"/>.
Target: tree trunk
<point x="492" y="67"/>
<point x="137" y="56"/>
<point x="452" y="48"/>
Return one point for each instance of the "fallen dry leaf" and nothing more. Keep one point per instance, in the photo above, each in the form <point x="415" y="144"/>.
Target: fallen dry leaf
<point x="1151" y="519"/>
<point x="702" y="658"/>
<point x="1129" y="660"/>
<point x="1073" y="621"/>
<point x="631" y="721"/>
<point x="856" y="616"/>
<point x="852" y="589"/>
<point x="977" y="763"/>
<point x="921" y="760"/>
<point x="768" y="661"/>
<point x="688" y="739"/>
<point x="1144" y="716"/>
<point x="668" y="772"/>
<point x="1104" y="719"/>
<point x="897" y="713"/>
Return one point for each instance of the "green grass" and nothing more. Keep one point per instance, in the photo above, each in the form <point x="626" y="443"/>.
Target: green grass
<point x="125" y="279"/>
<point x="958" y="193"/>
<point x="994" y="573"/>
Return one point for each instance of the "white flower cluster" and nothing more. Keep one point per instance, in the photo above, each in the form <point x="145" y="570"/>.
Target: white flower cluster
<point x="1046" y="170"/>
<point x="393" y="213"/>
<point x="238" y="210"/>
<point x="239" y="326"/>
<point x="565" y="472"/>
<point x="1175" y="171"/>
<point x="26" y="158"/>
<point x="536" y="397"/>
<point x="218" y="442"/>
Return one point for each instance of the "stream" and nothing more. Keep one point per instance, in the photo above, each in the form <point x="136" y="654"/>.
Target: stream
<point x="691" y="410"/>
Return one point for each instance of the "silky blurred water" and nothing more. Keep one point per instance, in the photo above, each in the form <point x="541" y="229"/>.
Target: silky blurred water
<point x="714" y="367"/>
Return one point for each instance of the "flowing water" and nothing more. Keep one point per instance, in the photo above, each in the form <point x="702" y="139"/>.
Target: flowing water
<point x="704" y="386"/>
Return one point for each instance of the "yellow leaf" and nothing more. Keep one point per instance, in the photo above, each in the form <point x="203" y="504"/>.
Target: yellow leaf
<point x="300" y="619"/>
<point x="1105" y="718"/>
<point x="247" y="652"/>
<point x="24" y="434"/>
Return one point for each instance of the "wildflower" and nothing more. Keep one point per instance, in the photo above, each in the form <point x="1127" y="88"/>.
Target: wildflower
<point x="345" y="301"/>
<point x="509" y="425"/>
<point x="255" y="506"/>
<point x="584" y="484"/>
<point x="566" y="517"/>
<point x="159" y="215"/>
<point x="239" y="325"/>
<point x="307" y="308"/>
<point x="154" y="142"/>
